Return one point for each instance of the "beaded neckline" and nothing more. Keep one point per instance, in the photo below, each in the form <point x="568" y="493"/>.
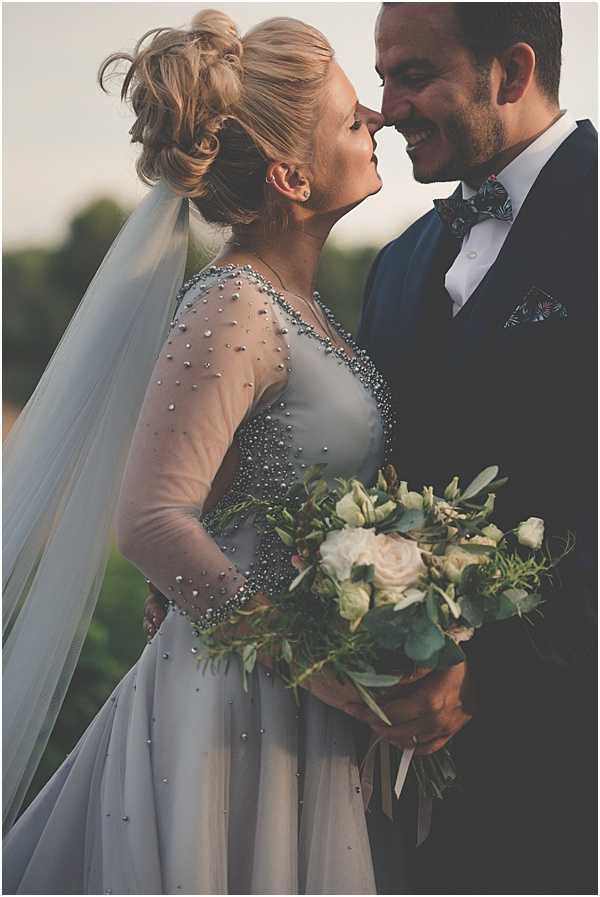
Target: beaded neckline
<point x="360" y="363"/>
<point x="266" y="286"/>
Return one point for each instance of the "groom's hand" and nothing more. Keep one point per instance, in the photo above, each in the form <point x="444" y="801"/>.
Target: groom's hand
<point x="431" y="710"/>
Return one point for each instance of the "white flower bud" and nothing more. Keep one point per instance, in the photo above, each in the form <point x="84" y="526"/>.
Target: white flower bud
<point x="384" y="510"/>
<point x="492" y="532"/>
<point x="411" y="501"/>
<point x="364" y="501"/>
<point x="348" y="510"/>
<point x="488" y="507"/>
<point x="451" y="490"/>
<point x="428" y="499"/>
<point x="531" y="532"/>
<point x="353" y="601"/>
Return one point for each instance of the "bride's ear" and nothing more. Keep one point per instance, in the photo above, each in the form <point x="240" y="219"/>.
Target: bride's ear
<point x="288" y="180"/>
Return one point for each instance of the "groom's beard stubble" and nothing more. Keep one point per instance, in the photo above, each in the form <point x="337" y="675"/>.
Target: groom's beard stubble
<point x="474" y="136"/>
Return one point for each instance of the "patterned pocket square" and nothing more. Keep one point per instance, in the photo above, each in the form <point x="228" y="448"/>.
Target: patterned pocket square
<point x="537" y="306"/>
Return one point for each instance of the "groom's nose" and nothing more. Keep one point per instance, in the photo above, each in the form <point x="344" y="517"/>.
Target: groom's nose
<point x="374" y="120"/>
<point x="395" y="107"/>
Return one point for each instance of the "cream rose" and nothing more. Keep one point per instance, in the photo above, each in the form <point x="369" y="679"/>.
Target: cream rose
<point x="398" y="562"/>
<point x="343" y="548"/>
<point x="456" y="559"/>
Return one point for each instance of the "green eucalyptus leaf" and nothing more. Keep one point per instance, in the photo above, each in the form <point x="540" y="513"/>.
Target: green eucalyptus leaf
<point x="432" y="608"/>
<point x="472" y="614"/>
<point x="409" y="520"/>
<point x="424" y="640"/>
<point x="480" y="482"/>
<point x="505" y="609"/>
<point x="522" y="600"/>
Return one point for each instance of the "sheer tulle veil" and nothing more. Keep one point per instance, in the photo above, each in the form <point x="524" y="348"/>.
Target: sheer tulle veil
<point x="63" y="465"/>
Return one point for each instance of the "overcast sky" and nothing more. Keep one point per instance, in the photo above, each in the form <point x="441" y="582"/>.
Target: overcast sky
<point x="65" y="141"/>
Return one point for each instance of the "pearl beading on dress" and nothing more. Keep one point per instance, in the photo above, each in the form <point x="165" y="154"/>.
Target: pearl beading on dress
<point x="266" y="470"/>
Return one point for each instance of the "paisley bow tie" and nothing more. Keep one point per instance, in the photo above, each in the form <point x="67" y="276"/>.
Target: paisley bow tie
<point x="490" y="201"/>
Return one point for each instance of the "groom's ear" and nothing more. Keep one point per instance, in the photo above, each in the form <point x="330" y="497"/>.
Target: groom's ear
<point x="517" y="72"/>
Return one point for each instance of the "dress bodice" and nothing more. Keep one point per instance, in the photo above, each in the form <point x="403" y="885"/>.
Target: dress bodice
<point x="289" y="396"/>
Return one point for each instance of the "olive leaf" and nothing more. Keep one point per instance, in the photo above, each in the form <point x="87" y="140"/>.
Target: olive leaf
<point x="482" y="480"/>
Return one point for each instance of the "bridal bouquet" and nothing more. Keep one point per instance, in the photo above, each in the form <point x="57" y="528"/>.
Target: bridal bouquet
<point x="387" y="579"/>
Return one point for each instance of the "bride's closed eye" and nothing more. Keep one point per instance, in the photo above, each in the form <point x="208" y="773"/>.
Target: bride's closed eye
<point x="356" y="124"/>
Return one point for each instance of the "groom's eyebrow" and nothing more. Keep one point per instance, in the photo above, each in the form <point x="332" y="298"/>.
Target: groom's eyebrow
<point x="415" y="62"/>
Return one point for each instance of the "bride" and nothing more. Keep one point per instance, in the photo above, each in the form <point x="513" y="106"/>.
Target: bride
<point x="183" y="782"/>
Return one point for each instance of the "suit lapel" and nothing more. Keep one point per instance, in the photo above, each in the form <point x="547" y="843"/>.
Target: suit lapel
<point x="532" y="252"/>
<point x="434" y="242"/>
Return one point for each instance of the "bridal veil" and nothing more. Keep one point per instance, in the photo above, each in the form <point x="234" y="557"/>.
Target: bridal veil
<point x="63" y="465"/>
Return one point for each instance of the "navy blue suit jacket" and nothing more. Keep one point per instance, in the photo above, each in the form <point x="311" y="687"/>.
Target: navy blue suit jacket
<point x="470" y="392"/>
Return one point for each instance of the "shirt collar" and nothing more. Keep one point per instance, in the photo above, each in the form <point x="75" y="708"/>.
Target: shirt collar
<point x="520" y="175"/>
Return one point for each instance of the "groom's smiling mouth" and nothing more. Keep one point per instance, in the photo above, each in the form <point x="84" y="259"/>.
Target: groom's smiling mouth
<point x="415" y="138"/>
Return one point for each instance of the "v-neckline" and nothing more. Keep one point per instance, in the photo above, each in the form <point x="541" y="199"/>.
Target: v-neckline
<point x="344" y="335"/>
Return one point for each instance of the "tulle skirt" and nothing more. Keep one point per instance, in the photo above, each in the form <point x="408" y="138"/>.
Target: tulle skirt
<point x="186" y="784"/>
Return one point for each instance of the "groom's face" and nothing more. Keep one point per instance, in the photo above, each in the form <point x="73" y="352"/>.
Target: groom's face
<point x="434" y="94"/>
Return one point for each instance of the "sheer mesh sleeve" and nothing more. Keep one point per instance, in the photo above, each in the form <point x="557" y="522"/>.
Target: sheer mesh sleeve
<point x="223" y="362"/>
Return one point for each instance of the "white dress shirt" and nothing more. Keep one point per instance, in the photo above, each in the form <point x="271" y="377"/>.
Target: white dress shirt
<point x="484" y="241"/>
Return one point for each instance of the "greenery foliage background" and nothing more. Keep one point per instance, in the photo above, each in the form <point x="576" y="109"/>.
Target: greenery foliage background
<point x="42" y="287"/>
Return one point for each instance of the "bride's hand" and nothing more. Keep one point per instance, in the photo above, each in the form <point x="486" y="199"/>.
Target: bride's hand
<point x="155" y="611"/>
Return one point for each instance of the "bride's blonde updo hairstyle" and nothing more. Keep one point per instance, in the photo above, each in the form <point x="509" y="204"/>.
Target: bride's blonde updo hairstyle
<point x="213" y="109"/>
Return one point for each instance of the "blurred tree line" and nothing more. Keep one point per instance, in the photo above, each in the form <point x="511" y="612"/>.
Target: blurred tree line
<point x="42" y="287"/>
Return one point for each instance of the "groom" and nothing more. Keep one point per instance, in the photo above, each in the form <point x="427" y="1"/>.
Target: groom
<point x="482" y="315"/>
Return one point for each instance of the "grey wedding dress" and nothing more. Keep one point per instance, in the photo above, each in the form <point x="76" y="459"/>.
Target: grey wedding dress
<point x="184" y="783"/>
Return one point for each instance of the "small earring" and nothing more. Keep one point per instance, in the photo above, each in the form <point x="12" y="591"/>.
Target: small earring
<point x="306" y="194"/>
<point x="269" y="179"/>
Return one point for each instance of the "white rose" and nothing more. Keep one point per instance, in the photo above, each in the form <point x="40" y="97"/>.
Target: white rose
<point x="531" y="532"/>
<point x="348" y="510"/>
<point x="456" y="559"/>
<point x="343" y="548"/>
<point x="398" y="562"/>
<point x="353" y="601"/>
<point x="399" y="597"/>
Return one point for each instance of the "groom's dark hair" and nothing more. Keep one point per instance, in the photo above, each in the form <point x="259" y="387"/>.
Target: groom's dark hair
<point x="489" y="28"/>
